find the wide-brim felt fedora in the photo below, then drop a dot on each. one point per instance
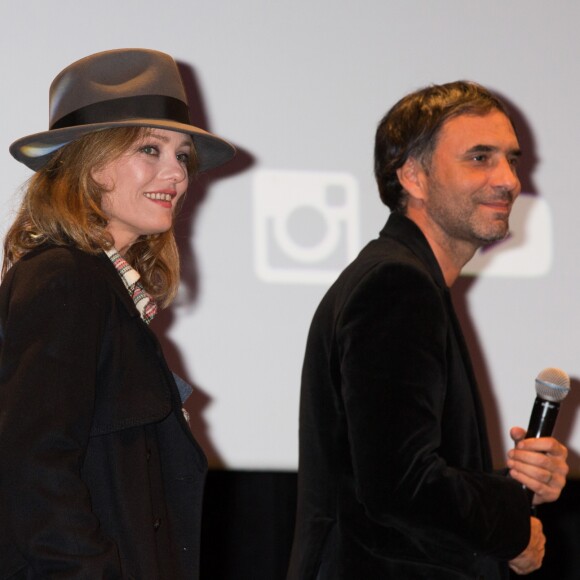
(130, 87)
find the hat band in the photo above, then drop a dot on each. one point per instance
(125, 109)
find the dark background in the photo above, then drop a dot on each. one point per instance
(248, 522)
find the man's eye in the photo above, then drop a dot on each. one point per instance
(480, 158)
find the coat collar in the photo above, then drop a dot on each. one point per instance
(406, 232)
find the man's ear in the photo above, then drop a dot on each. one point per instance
(412, 178)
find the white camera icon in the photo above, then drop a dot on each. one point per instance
(306, 225)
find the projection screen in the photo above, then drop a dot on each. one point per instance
(299, 88)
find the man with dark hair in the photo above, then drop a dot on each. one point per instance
(395, 477)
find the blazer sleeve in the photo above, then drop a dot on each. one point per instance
(392, 343)
(51, 327)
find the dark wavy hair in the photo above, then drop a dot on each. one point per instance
(412, 126)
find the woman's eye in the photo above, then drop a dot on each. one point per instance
(183, 157)
(149, 150)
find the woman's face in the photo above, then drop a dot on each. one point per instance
(144, 185)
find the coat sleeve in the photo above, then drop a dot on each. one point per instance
(393, 349)
(51, 324)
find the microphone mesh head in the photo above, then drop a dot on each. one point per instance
(552, 385)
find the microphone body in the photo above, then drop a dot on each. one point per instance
(543, 418)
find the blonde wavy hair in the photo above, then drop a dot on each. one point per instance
(61, 206)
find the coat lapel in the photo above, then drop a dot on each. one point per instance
(408, 233)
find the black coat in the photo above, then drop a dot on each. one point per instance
(100, 476)
(395, 476)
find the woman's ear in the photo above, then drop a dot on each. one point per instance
(412, 178)
(97, 175)
(104, 175)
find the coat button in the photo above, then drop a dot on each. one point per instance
(156, 524)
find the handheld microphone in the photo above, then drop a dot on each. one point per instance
(552, 386)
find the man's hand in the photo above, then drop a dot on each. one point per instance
(531, 558)
(539, 464)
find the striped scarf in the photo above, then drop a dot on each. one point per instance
(143, 301)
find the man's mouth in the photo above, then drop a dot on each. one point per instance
(498, 204)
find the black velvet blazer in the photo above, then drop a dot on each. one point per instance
(395, 477)
(100, 476)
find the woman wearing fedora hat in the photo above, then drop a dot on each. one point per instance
(100, 476)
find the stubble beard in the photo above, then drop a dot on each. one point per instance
(465, 223)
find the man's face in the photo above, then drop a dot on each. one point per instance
(471, 181)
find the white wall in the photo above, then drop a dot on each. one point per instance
(299, 87)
